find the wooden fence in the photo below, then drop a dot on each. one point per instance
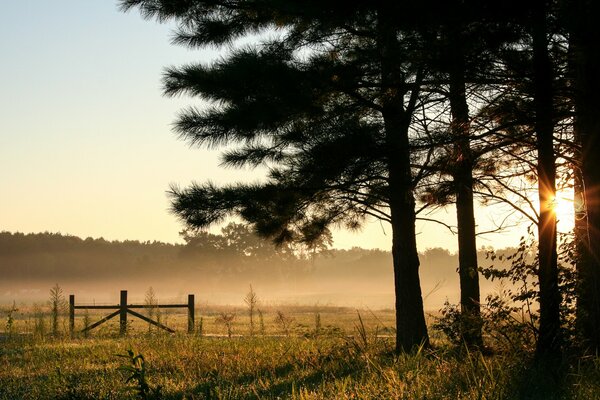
(123, 309)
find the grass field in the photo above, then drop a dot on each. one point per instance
(342, 357)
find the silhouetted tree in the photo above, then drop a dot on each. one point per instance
(464, 53)
(543, 77)
(581, 21)
(328, 105)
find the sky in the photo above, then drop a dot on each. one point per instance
(86, 146)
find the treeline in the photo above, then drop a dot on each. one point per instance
(212, 265)
(57, 257)
(237, 252)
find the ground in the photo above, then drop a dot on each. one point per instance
(342, 357)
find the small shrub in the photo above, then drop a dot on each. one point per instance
(449, 323)
(226, 319)
(506, 325)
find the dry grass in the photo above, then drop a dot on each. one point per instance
(345, 361)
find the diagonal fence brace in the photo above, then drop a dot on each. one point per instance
(103, 320)
(150, 321)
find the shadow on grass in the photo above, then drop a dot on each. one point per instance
(280, 381)
(520, 378)
(539, 379)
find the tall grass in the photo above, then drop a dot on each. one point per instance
(191, 367)
(352, 362)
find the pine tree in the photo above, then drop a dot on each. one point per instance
(328, 106)
(580, 20)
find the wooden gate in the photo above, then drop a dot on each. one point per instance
(123, 309)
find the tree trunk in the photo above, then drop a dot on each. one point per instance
(411, 330)
(585, 42)
(549, 329)
(471, 324)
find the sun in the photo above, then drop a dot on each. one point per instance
(562, 205)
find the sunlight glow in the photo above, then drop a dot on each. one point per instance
(562, 204)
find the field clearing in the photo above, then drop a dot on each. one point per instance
(302, 320)
(343, 359)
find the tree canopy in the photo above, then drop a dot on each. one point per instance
(358, 111)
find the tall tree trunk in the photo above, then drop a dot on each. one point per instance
(549, 330)
(585, 42)
(463, 180)
(411, 329)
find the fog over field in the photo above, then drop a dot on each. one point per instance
(218, 269)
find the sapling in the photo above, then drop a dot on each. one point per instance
(58, 305)
(251, 301)
(151, 301)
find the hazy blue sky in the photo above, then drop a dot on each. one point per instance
(85, 140)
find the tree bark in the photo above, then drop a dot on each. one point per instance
(411, 329)
(463, 180)
(585, 42)
(471, 324)
(549, 329)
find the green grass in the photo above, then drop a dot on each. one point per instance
(339, 364)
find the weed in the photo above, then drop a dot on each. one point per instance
(361, 342)
(86, 322)
(227, 320)
(39, 327)
(317, 323)
(284, 321)
(261, 322)
(135, 368)
(200, 327)
(10, 319)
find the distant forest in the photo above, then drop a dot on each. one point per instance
(219, 267)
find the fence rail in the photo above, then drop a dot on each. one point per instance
(123, 309)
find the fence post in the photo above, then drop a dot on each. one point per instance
(191, 313)
(71, 314)
(123, 313)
